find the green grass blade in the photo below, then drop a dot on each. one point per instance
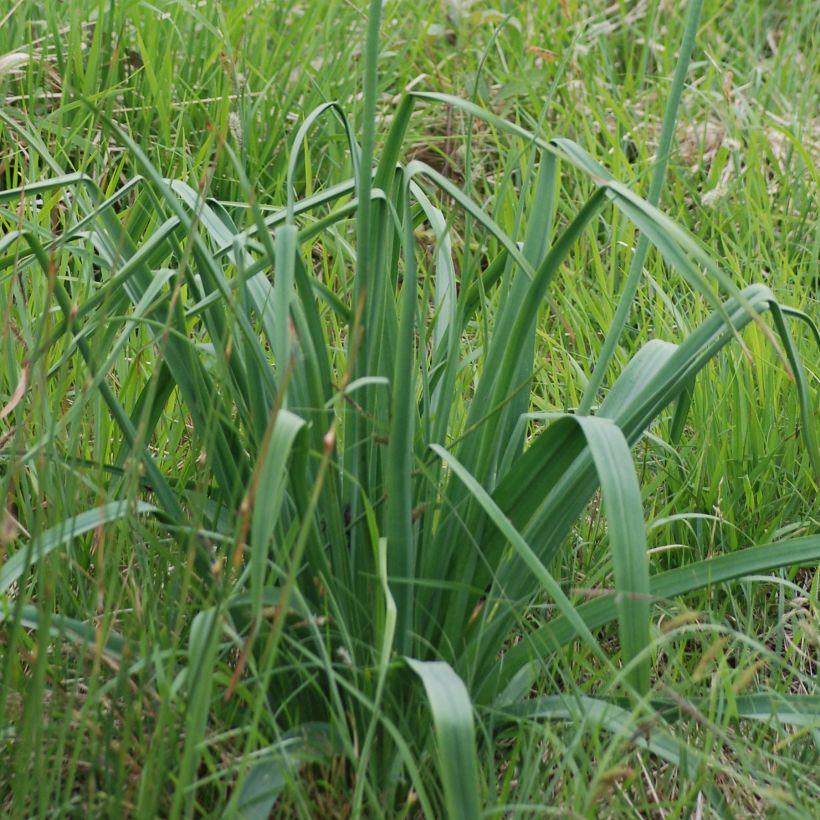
(513, 537)
(455, 737)
(615, 719)
(63, 533)
(763, 707)
(261, 788)
(636, 264)
(70, 629)
(386, 649)
(203, 646)
(666, 585)
(627, 537)
(285, 245)
(266, 495)
(807, 412)
(401, 557)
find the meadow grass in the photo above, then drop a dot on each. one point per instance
(306, 510)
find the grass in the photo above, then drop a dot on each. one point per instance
(305, 510)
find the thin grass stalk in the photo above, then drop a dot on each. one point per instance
(355, 451)
(633, 277)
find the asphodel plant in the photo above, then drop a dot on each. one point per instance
(374, 511)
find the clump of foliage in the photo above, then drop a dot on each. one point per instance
(369, 514)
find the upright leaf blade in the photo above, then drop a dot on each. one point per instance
(268, 494)
(627, 538)
(455, 736)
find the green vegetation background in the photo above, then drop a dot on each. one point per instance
(213, 94)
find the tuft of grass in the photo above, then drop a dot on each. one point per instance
(306, 510)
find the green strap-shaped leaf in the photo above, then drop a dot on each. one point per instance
(493, 391)
(418, 168)
(70, 629)
(269, 493)
(63, 533)
(401, 558)
(455, 733)
(614, 718)
(521, 547)
(596, 613)
(789, 710)
(627, 538)
(297, 146)
(203, 646)
(388, 634)
(622, 501)
(285, 248)
(260, 790)
(548, 486)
